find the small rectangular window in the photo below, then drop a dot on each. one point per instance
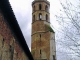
(53, 57)
(3, 42)
(40, 51)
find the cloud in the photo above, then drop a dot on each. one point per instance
(23, 12)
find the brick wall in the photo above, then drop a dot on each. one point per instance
(9, 46)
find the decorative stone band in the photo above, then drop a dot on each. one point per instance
(41, 1)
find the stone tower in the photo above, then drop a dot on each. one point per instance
(43, 36)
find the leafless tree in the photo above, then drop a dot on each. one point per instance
(69, 32)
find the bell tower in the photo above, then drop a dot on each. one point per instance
(43, 37)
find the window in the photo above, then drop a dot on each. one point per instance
(10, 47)
(33, 18)
(40, 7)
(40, 35)
(46, 8)
(46, 17)
(53, 57)
(3, 42)
(34, 8)
(40, 51)
(40, 16)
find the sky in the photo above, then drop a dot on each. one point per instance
(23, 12)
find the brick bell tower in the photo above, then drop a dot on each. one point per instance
(43, 37)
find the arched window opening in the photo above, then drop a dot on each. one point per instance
(40, 7)
(46, 17)
(46, 8)
(40, 16)
(33, 18)
(34, 8)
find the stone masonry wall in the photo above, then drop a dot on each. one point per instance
(38, 26)
(9, 47)
(43, 45)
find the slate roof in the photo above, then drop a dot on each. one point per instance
(11, 20)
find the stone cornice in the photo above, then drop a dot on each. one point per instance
(40, 20)
(40, 32)
(41, 10)
(40, 1)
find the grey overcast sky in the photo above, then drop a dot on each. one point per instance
(23, 13)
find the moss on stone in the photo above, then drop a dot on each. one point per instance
(49, 28)
(33, 52)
